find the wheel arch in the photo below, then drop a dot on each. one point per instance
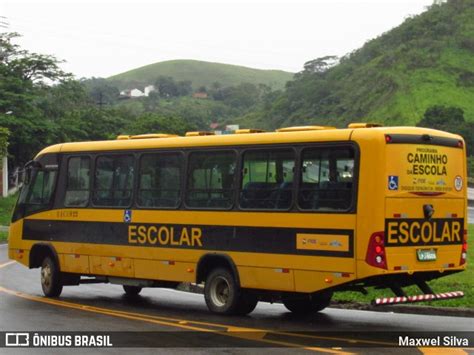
(41, 250)
(210, 261)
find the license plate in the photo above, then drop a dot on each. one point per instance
(426, 254)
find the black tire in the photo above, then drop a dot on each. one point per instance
(132, 290)
(221, 292)
(51, 277)
(309, 305)
(247, 304)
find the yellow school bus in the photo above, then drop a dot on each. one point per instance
(288, 216)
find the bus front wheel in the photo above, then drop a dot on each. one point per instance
(50, 278)
(309, 305)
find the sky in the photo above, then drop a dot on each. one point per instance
(105, 37)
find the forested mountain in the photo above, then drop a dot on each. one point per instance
(420, 73)
(393, 79)
(200, 73)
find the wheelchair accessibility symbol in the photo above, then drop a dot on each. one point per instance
(393, 182)
(127, 216)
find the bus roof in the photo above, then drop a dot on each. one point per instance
(290, 135)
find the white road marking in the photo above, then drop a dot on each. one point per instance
(182, 292)
(7, 263)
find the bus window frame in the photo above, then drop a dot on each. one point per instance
(64, 178)
(132, 202)
(269, 147)
(352, 209)
(239, 150)
(188, 152)
(182, 175)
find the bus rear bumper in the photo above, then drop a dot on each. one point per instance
(417, 298)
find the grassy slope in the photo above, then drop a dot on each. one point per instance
(202, 73)
(434, 80)
(457, 282)
(423, 88)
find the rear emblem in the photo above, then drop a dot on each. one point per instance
(458, 183)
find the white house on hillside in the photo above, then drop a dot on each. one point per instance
(136, 93)
(132, 93)
(149, 89)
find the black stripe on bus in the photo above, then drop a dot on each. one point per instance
(214, 237)
(423, 139)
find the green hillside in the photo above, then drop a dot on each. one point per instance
(428, 60)
(201, 74)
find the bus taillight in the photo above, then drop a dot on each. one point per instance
(464, 248)
(376, 251)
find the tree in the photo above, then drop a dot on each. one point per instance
(166, 87)
(4, 134)
(101, 91)
(24, 78)
(439, 116)
(451, 119)
(320, 65)
(202, 88)
(158, 123)
(184, 88)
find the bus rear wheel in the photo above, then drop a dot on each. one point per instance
(247, 304)
(132, 290)
(50, 278)
(312, 304)
(221, 292)
(224, 296)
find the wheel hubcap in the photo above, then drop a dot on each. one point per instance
(220, 291)
(46, 276)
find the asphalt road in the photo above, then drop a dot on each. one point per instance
(184, 319)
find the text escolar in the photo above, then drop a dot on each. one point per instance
(164, 235)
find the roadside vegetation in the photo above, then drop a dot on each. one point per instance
(3, 236)
(457, 282)
(6, 208)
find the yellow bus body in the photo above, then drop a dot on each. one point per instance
(145, 256)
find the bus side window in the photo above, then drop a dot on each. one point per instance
(78, 182)
(211, 179)
(326, 179)
(113, 183)
(160, 180)
(267, 181)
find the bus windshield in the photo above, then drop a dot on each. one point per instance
(36, 193)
